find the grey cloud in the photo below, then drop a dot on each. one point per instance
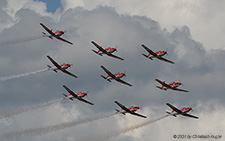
(199, 70)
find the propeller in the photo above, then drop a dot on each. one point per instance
(116, 48)
(139, 106)
(125, 73)
(192, 108)
(87, 93)
(166, 51)
(65, 31)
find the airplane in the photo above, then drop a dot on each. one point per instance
(107, 51)
(114, 76)
(78, 96)
(130, 110)
(182, 111)
(157, 55)
(172, 86)
(56, 34)
(62, 67)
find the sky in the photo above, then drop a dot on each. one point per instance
(52, 5)
(31, 101)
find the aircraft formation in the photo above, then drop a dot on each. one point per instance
(117, 76)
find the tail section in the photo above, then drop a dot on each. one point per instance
(161, 88)
(65, 96)
(50, 68)
(145, 55)
(45, 35)
(117, 111)
(103, 77)
(171, 114)
(95, 51)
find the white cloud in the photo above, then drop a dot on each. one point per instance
(198, 69)
(204, 17)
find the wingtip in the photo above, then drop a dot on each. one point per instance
(168, 104)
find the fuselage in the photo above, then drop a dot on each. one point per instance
(132, 109)
(63, 67)
(159, 53)
(80, 95)
(117, 75)
(173, 84)
(108, 50)
(59, 33)
(183, 110)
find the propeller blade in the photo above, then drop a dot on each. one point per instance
(116, 48)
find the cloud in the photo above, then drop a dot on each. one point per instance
(204, 17)
(199, 70)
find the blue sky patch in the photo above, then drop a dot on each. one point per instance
(52, 5)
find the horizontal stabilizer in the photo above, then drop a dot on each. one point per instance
(145, 55)
(95, 51)
(65, 95)
(103, 77)
(49, 66)
(171, 114)
(117, 111)
(159, 87)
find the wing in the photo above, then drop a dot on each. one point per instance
(49, 31)
(108, 72)
(188, 115)
(123, 107)
(69, 73)
(70, 91)
(149, 50)
(174, 108)
(136, 114)
(164, 84)
(121, 81)
(110, 54)
(176, 89)
(63, 39)
(54, 62)
(163, 59)
(81, 99)
(99, 47)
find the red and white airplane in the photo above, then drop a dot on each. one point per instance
(78, 96)
(62, 67)
(130, 110)
(157, 55)
(172, 86)
(114, 76)
(107, 51)
(56, 34)
(182, 111)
